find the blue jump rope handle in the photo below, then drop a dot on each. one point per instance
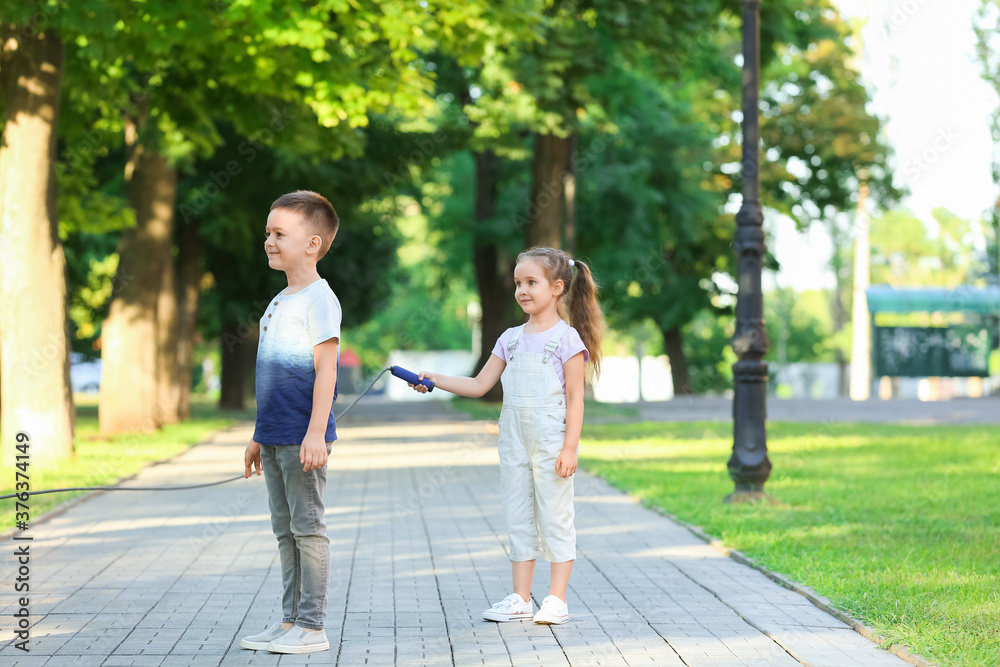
(410, 377)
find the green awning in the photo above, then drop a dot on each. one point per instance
(887, 299)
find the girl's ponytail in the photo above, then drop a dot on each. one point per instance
(585, 314)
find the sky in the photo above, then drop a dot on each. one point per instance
(920, 64)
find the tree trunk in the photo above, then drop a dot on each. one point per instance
(843, 377)
(234, 367)
(673, 343)
(548, 165)
(34, 379)
(494, 269)
(189, 274)
(131, 341)
(168, 392)
(569, 196)
(839, 322)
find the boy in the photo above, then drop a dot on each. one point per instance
(295, 430)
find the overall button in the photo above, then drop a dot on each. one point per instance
(269, 314)
(265, 328)
(559, 401)
(276, 303)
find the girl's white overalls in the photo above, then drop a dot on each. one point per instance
(538, 503)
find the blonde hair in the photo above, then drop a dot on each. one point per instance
(584, 311)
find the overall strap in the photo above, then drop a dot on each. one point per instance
(512, 345)
(553, 342)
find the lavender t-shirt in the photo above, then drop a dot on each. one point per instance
(569, 345)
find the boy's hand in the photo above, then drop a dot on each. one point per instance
(421, 388)
(566, 463)
(312, 453)
(251, 457)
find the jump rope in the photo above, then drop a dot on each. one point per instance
(398, 371)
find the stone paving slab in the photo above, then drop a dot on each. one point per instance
(418, 551)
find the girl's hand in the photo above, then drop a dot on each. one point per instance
(423, 375)
(566, 463)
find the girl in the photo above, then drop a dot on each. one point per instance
(541, 366)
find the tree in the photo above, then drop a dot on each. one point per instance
(987, 28)
(658, 263)
(544, 85)
(820, 142)
(246, 57)
(906, 252)
(558, 88)
(34, 375)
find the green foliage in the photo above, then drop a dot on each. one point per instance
(379, 105)
(656, 265)
(253, 99)
(799, 325)
(413, 319)
(232, 214)
(906, 252)
(709, 354)
(897, 525)
(987, 28)
(545, 85)
(428, 306)
(816, 127)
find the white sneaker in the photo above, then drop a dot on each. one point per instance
(260, 641)
(511, 608)
(299, 640)
(553, 611)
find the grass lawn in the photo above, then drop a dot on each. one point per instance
(101, 462)
(898, 526)
(593, 411)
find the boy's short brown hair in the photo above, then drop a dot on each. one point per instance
(317, 213)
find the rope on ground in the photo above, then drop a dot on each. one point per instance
(23, 495)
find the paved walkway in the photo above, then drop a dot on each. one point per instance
(152, 578)
(898, 411)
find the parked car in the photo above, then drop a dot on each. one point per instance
(84, 373)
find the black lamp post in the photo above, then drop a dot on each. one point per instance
(749, 465)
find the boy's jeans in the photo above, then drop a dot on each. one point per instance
(296, 501)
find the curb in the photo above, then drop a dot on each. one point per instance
(818, 600)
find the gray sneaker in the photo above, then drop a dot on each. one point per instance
(260, 641)
(299, 640)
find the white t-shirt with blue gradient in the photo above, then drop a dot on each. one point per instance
(289, 329)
